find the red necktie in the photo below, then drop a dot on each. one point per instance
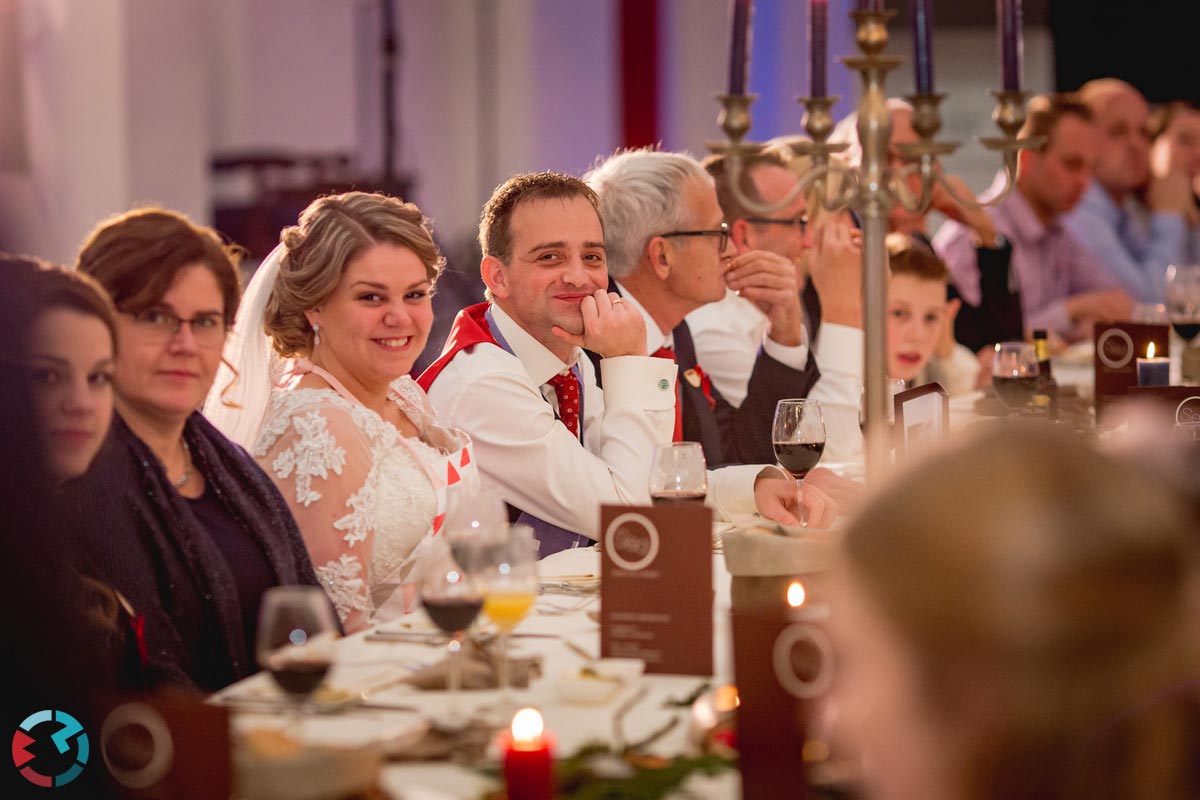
(566, 389)
(668, 352)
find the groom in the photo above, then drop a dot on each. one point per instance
(513, 375)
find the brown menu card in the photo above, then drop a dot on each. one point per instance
(656, 587)
(783, 665)
(1118, 347)
(1179, 404)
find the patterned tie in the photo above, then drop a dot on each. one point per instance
(566, 389)
(669, 352)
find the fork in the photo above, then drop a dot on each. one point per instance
(554, 610)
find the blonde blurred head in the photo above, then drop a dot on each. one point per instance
(1041, 594)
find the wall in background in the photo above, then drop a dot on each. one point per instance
(126, 101)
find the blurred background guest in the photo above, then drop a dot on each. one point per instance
(1046, 649)
(1131, 221)
(1175, 147)
(172, 514)
(72, 354)
(988, 316)
(61, 654)
(729, 332)
(350, 440)
(1063, 287)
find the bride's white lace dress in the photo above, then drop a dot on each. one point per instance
(365, 497)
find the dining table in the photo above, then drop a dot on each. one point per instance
(561, 629)
(376, 710)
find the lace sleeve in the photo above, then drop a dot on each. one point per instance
(322, 462)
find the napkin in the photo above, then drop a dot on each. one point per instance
(427, 742)
(480, 669)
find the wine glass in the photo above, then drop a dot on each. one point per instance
(678, 474)
(1015, 374)
(510, 581)
(452, 596)
(798, 435)
(295, 640)
(1183, 300)
(894, 387)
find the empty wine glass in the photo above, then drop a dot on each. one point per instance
(1014, 374)
(798, 434)
(296, 640)
(510, 580)
(894, 387)
(452, 595)
(678, 474)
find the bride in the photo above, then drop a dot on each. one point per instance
(319, 393)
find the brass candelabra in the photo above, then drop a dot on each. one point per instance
(873, 186)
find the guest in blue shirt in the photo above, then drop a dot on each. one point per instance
(1175, 130)
(1135, 240)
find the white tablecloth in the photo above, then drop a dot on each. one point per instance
(362, 663)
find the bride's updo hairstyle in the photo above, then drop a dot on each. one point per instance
(333, 231)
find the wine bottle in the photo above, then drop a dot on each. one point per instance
(1045, 396)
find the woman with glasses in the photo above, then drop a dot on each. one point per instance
(176, 516)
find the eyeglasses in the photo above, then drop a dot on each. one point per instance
(800, 222)
(160, 326)
(722, 232)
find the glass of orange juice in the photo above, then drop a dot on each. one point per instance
(510, 587)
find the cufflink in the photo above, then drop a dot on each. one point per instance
(664, 384)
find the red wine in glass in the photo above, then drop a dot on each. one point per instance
(1187, 330)
(299, 677)
(452, 614)
(671, 498)
(799, 458)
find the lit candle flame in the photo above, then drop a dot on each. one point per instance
(527, 725)
(795, 594)
(1150, 350)
(726, 698)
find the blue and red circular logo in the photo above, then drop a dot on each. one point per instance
(50, 748)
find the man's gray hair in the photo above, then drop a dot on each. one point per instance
(641, 196)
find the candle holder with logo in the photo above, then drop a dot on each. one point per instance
(874, 186)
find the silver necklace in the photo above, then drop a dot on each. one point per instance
(187, 466)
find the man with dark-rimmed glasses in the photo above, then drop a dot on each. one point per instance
(669, 253)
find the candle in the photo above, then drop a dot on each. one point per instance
(1008, 22)
(818, 38)
(739, 48)
(922, 23)
(795, 594)
(527, 758)
(1153, 371)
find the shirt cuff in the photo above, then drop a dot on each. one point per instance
(1167, 225)
(638, 382)
(731, 491)
(840, 349)
(795, 357)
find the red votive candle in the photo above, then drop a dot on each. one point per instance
(528, 760)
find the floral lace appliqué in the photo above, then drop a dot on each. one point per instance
(314, 453)
(342, 582)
